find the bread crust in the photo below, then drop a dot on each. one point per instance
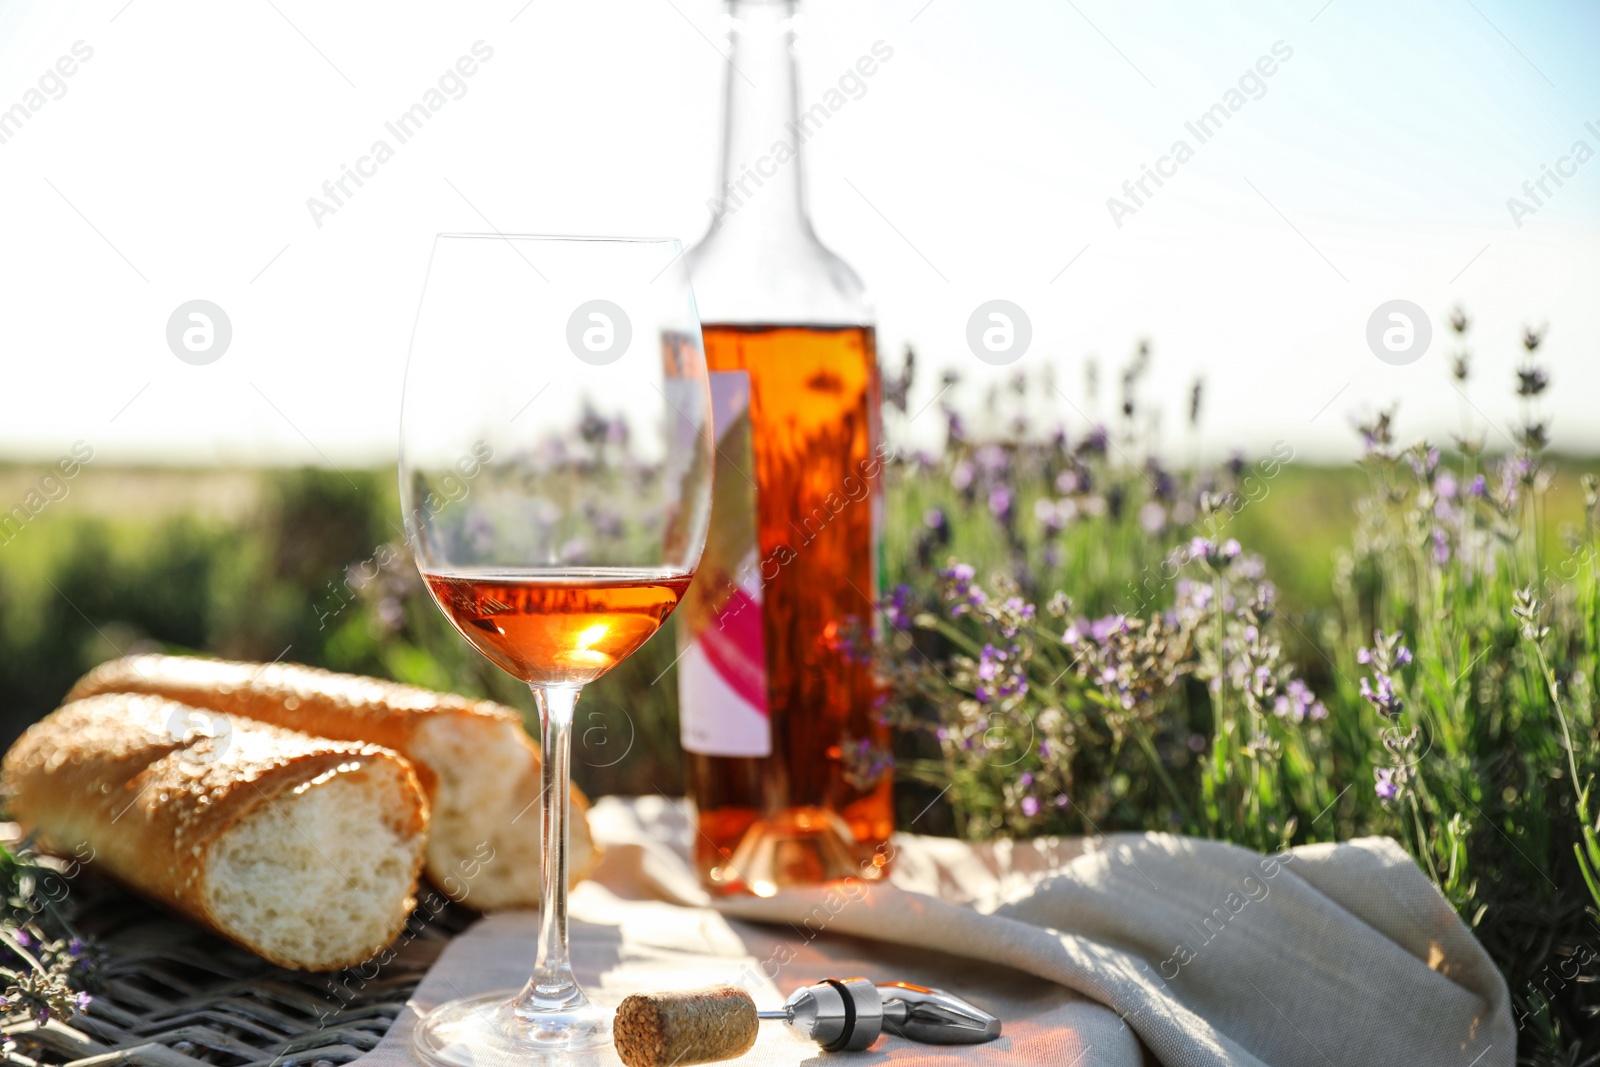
(351, 707)
(137, 780)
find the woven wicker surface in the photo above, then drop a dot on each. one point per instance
(175, 996)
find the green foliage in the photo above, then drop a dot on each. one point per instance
(1105, 659)
(1171, 704)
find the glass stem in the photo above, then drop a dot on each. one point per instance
(552, 987)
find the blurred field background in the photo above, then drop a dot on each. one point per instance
(310, 566)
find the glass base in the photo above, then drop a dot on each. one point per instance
(488, 1031)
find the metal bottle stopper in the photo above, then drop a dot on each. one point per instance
(848, 1015)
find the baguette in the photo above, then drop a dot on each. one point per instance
(475, 761)
(304, 851)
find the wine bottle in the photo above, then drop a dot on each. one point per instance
(787, 759)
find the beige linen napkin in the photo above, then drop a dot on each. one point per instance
(1090, 951)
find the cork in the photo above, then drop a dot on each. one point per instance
(685, 1026)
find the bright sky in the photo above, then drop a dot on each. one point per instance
(175, 163)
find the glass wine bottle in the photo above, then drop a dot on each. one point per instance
(787, 761)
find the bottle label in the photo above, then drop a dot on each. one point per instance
(722, 666)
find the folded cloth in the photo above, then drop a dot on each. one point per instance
(1091, 951)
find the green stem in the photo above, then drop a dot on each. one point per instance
(1424, 848)
(1161, 773)
(10, 941)
(959, 639)
(1561, 715)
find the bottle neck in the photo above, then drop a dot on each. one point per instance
(761, 261)
(761, 187)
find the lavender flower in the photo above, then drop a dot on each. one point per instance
(988, 665)
(1441, 546)
(1044, 510)
(1163, 485)
(1297, 703)
(1377, 433)
(42, 996)
(1382, 695)
(1193, 601)
(992, 459)
(1210, 552)
(900, 608)
(1525, 609)
(999, 675)
(1014, 614)
(1423, 460)
(961, 592)
(1385, 656)
(955, 429)
(1533, 435)
(864, 764)
(1000, 504)
(1531, 381)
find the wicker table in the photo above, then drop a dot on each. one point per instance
(175, 996)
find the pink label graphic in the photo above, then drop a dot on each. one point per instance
(734, 647)
(722, 674)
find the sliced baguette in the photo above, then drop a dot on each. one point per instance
(303, 850)
(476, 762)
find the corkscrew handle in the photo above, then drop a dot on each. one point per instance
(934, 1017)
(849, 1014)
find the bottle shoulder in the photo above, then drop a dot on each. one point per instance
(774, 277)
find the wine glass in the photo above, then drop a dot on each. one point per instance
(555, 474)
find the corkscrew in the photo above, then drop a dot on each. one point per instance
(841, 1015)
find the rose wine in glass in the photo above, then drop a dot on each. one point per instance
(556, 461)
(558, 628)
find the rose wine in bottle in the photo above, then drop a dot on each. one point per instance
(787, 761)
